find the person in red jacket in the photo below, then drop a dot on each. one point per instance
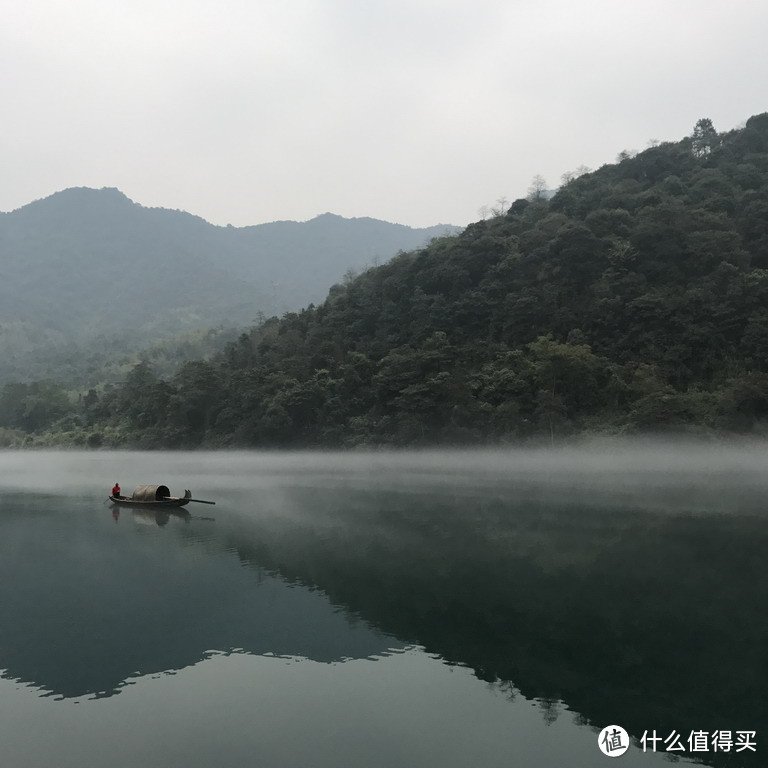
(116, 491)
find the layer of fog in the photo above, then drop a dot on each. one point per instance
(676, 475)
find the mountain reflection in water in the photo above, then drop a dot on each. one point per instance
(85, 610)
(648, 619)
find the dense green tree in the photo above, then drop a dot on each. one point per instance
(32, 407)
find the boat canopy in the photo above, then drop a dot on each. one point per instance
(150, 493)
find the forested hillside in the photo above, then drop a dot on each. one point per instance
(88, 277)
(636, 298)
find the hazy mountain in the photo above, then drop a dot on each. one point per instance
(634, 299)
(90, 268)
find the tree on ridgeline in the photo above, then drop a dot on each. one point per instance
(538, 188)
(704, 137)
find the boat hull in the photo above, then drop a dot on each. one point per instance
(168, 502)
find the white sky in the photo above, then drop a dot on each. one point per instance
(412, 111)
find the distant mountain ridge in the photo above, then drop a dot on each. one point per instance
(86, 264)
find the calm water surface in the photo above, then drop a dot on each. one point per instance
(423, 609)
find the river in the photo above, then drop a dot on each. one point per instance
(490, 608)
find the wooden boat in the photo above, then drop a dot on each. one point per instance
(152, 496)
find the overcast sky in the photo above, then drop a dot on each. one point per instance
(413, 111)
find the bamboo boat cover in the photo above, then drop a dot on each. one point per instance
(150, 493)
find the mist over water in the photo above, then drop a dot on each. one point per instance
(653, 474)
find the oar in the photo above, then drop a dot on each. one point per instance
(201, 501)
